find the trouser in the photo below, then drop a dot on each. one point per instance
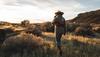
(58, 42)
(58, 39)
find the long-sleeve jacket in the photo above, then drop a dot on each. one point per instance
(59, 23)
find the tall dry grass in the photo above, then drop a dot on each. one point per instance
(20, 43)
(72, 46)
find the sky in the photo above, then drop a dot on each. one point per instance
(16, 11)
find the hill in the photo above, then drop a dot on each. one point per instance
(88, 17)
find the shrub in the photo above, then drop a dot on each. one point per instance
(25, 23)
(84, 31)
(71, 27)
(4, 33)
(96, 29)
(34, 30)
(19, 43)
(47, 27)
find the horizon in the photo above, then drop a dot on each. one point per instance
(38, 11)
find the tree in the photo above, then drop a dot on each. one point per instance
(25, 23)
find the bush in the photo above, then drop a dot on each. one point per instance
(96, 29)
(47, 27)
(19, 43)
(34, 29)
(84, 31)
(4, 33)
(25, 23)
(71, 27)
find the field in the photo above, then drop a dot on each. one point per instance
(25, 44)
(78, 46)
(72, 46)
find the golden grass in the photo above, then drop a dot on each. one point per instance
(94, 41)
(50, 50)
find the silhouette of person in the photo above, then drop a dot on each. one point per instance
(59, 28)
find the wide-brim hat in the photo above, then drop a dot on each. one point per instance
(59, 12)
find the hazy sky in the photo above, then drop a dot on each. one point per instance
(43, 10)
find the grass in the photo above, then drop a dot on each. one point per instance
(72, 46)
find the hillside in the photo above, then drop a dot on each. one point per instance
(88, 17)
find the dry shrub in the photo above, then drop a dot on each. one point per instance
(25, 23)
(22, 42)
(5, 33)
(84, 31)
(24, 39)
(2, 35)
(47, 27)
(96, 29)
(34, 30)
(49, 44)
(71, 27)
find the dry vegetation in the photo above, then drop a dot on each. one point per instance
(33, 46)
(38, 40)
(26, 44)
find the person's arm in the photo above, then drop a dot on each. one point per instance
(55, 21)
(64, 27)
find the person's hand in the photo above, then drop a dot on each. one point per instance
(64, 33)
